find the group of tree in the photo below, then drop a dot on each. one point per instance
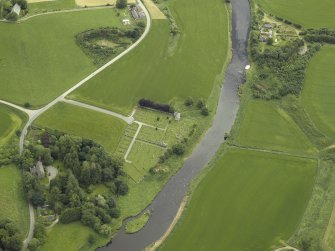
(121, 4)
(86, 163)
(147, 103)
(6, 7)
(120, 37)
(323, 35)
(10, 238)
(201, 104)
(280, 68)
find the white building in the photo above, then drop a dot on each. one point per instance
(177, 116)
(16, 9)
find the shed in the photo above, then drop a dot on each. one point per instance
(268, 26)
(16, 9)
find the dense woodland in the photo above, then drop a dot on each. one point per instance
(70, 194)
(6, 7)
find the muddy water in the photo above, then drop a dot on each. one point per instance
(167, 202)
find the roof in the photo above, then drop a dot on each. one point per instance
(267, 25)
(16, 9)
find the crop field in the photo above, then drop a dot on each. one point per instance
(265, 125)
(155, 71)
(13, 204)
(304, 12)
(10, 122)
(99, 2)
(238, 198)
(104, 129)
(36, 66)
(40, 6)
(319, 91)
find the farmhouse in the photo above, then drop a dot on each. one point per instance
(16, 9)
(137, 12)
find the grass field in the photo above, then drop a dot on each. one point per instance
(319, 91)
(247, 201)
(137, 224)
(150, 71)
(104, 129)
(43, 6)
(36, 66)
(76, 237)
(10, 122)
(265, 125)
(305, 12)
(13, 204)
(99, 2)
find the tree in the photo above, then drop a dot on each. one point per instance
(121, 187)
(201, 103)
(189, 101)
(70, 215)
(178, 149)
(9, 236)
(205, 111)
(121, 4)
(33, 244)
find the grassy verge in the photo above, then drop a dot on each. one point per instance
(137, 224)
(13, 204)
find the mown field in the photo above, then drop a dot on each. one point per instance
(39, 57)
(13, 204)
(308, 13)
(266, 125)
(76, 237)
(247, 201)
(42, 6)
(104, 129)
(319, 91)
(10, 122)
(161, 73)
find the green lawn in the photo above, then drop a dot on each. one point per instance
(152, 71)
(104, 129)
(70, 237)
(247, 201)
(39, 57)
(10, 121)
(12, 202)
(137, 224)
(265, 125)
(319, 90)
(308, 13)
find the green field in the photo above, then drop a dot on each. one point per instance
(10, 122)
(13, 204)
(39, 57)
(51, 6)
(308, 13)
(265, 125)
(137, 224)
(76, 237)
(104, 129)
(247, 201)
(154, 72)
(319, 91)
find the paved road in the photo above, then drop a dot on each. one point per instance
(129, 120)
(168, 201)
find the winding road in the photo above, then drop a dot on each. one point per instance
(166, 204)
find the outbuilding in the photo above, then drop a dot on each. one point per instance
(16, 9)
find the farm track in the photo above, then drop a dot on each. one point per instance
(34, 114)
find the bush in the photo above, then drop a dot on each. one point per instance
(26, 105)
(205, 111)
(201, 103)
(178, 149)
(12, 16)
(189, 101)
(121, 187)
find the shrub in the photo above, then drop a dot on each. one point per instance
(178, 149)
(205, 111)
(189, 101)
(26, 105)
(201, 103)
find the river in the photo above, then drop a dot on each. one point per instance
(166, 204)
